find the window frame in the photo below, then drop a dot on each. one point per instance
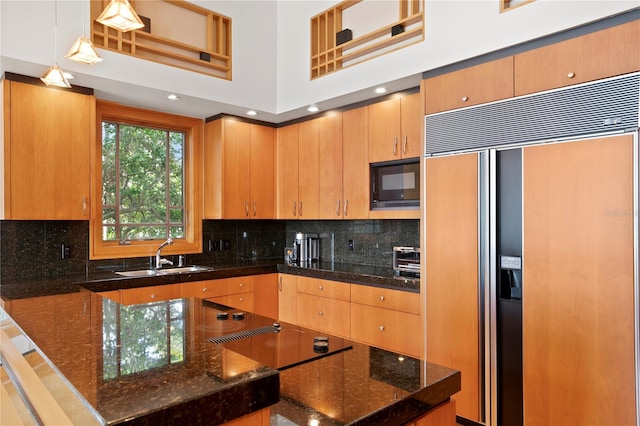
(193, 129)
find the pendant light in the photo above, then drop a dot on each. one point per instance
(83, 50)
(54, 76)
(119, 14)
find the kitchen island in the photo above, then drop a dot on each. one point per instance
(155, 363)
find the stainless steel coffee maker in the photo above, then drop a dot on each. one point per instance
(307, 248)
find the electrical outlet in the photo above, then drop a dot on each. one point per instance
(226, 244)
(65, 252)
(350, 245)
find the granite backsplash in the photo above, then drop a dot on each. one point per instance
(34, 248)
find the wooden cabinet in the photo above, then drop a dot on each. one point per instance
(444, 414)
(251, 293)
(324, 305)
(287, 172)
(490, 81)
(134, 296)
(388, 319)
(578, 281)
(452, 306)
(355, 164)
(396, 128)
(287, 296)
(204, 289)
(265, 292)
(605, 53)
(48, 138)
(330, 167)
(239, 170)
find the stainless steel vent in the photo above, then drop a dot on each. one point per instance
(276, 327)
(603, 106)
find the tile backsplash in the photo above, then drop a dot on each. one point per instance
(35, 248)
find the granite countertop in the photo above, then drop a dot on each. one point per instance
(154, 364)
(106, 280)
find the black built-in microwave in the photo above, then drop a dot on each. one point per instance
(395, 184)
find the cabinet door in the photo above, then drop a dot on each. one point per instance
(412, 122)
(452, 293)
(212, 170)
(325, 288)
(287, 172)
(287, 295)
(578, 283)
(355, 164)
(308, 169)
(265, 292)
(262, 172)
(384, 131)
(475, 85)
(330, 167)
(236, 166)
(609, 52)
(324, 314)
(47, 154)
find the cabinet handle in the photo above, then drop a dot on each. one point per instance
(465, 99)
(320, 287)
(382, 298)
(254, 208)
(241, 284)
(571, 74)
(404, 145)
(84, 206)
(295, 204)
(204, 290)
(300, 209)
(246, 208)
(338, 208)
(381, 328)
(346, 205)
(320, 313)
(395, 145)
(153, 296)
(280, 284)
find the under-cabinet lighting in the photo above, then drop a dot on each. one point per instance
(313, 108)
(119, 14)
(380, 90)
(252, 112)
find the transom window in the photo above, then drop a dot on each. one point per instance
(145, 183)
(142, 182)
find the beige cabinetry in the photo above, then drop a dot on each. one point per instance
(48, 135)
(388, 319)
(578, 309)
(396, 128)
(605, 53)
(452, 294)
(490, 81)
(239, 170)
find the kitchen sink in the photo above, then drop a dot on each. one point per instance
(164, 271)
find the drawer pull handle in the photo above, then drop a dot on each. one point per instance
(320, 313)
(153, 296)
(465, 99)
(381, 328)
(571, 74)
(382, 298)
(241, 299)
(320, 287)
(204, 290)
(241, 284)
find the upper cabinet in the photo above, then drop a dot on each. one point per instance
(47, 151)
(287, 172)
(396, 128)
(355, 164)
(490, 81)
(609, 52)
(239, 170)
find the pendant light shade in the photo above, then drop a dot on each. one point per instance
(55, 77)
(119, 14)
(83, 51)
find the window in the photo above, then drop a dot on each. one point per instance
(146, 178)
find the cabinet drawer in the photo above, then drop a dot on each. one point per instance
(396, 300)
(150, 294)
(475, 85)
(393, 330)
(321, 313)
(242, 301)
(324, 288)
(606, 53)
(204, 289)
(240, 285)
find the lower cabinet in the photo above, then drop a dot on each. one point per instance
(324, 314)
(258, 418)
(134, 296)
(442, 415)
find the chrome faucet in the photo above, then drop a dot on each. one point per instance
(160, 261)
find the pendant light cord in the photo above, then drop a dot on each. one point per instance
(55, 33)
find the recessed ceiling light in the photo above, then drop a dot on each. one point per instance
(380, 90)
(173, 97)
(313, 108)
(251, 112)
